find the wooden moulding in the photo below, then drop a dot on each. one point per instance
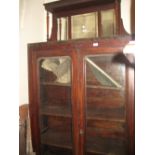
(67, 46)
(60, 6)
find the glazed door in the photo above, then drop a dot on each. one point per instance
(107, 131)
(55, 105)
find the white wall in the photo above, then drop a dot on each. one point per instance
(33, 29)
(125, 14)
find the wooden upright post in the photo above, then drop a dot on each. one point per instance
(118, 16)
(47, 25)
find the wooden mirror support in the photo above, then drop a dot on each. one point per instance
(68, 8)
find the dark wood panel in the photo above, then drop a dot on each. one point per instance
(56, 102)
(57, 92)
(105, 133)
(60, 124)
(105, 102)
(52, 150)
(101, 99)
(56, 110)
(104, 92)
(110, 125)
(57, 139)
(106, 146)
(106, 113)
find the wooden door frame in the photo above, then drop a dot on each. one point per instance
(110, 46)
(36, 51)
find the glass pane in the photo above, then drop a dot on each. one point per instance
(105, 102)
(62, 33)
(55, 105)
(108, 22)
(84, 26)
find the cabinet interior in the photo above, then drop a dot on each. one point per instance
(105, 105)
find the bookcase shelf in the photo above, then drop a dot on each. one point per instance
(87, 115)
(57, 139)
(56, 111)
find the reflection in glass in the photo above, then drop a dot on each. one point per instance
(59, 67)
(62, 32)
(55, 105)
(101, 75)
(108, 20)
(84, 26)
(105, 106)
